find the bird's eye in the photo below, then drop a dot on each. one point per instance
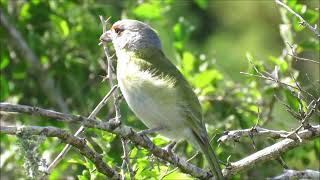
(118, 30)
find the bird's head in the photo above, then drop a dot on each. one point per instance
(131, 35)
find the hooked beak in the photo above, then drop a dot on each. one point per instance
(106, 37)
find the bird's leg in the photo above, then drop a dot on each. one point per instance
(150, 131)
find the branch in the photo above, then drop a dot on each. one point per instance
(46, 83)
(126, 132)
(116, 128)
(271, 152)
(292, 174)
(235, 135)
(79, 144)
(302, 21)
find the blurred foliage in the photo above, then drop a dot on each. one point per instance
(210, 41)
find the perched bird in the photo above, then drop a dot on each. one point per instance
(154, 88)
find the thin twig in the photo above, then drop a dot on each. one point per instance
(109, 70)
(304, 59)
(276, 81)
(81, 129)
(302, 21)
(126, 159)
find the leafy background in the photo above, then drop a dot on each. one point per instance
(211, 43)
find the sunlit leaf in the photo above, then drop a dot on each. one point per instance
(64, 27)
(187, 62)
(280, 62)
(148, 10)
(24, 12)
(4, 62)
(206, 78)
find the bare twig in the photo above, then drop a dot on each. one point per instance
(81, 129)
(302, 21)
(79, 144)
(293, 174)
(109, 70)
(235, 135)
(126, 159)
(304, 59)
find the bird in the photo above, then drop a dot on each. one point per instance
(155, 90)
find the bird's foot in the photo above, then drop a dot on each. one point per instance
(170, 148)
(150, 131)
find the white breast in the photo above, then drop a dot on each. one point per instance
(154, 100)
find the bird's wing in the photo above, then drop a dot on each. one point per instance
(154, 60)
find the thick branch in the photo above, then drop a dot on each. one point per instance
(46, 82)
(116, 128)
(292, 174)
(271, 152)
(79, 144)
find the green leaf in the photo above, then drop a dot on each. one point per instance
(206, 78)
(187, 62)
(148, 10)
(60, 24)
(311, 16)
(177, 175)
(291, 100)
(177, 30)
(280, 62)
(203, 4)
(36, 1)
(291, 3)
(159, 140)
(310, 44)
(4, 88)
(19, 75)
(4, 62)
(64, 27)
(24, 12)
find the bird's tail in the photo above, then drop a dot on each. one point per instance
(211, 158)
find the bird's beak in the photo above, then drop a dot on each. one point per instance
(106, 37)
